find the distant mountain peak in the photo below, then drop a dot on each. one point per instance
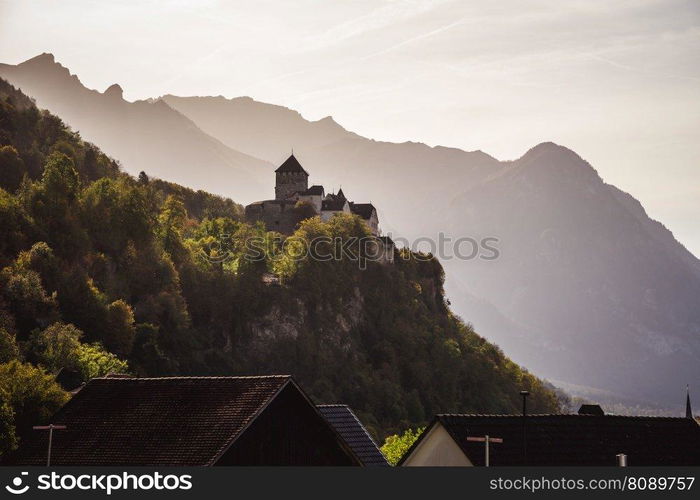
(548, 147)
(330, 122)
(44, 66)
(556, 159)
(114, 91)
(43, 58)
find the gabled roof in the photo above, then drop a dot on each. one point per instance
(313, 190)
(333, 203)
(344, 421)
(364, 210)
(568, 440)
(153, 421)
(291, 164)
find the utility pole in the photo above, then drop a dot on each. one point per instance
(486, 440)
(49, 428)
(524, 395)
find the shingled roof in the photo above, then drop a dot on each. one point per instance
(568, 440)
(333, 203)
(153, 421)
(291, 164)
(344, 421)
(314, 190)
(364, 210)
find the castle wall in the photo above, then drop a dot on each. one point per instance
(277, 215)
(312, 199)
(288, 183)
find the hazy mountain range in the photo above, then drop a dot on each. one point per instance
(587, 289)
(143, 135)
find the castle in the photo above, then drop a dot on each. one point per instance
(295, 201)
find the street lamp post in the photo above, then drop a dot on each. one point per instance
(487, 440)
(49, 428)
(524, 395)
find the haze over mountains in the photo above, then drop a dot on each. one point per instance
(143, 135)
(600, 293)
(587, 289)
(366, 169)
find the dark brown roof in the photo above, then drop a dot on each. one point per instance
(364, 210)
(591, 410)
(314, 190)
(567, 440)
(344, 421)
(291, 164)
(152, 421)
(332, 202)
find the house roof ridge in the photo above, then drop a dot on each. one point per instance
(195, 377)
(567, 415)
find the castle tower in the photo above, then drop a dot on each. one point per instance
(290, 178)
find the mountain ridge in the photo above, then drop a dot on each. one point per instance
(90, 254)
(133, 131)
(633, 294)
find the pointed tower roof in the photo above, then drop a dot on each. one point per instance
(341, 195)
(291, 164)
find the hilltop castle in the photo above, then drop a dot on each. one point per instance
(295, 201)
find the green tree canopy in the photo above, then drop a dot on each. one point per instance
(12, 168)
(54, 347)
(31, 393)
(396, 445)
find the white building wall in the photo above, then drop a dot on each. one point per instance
(437, 449)
(314, 200)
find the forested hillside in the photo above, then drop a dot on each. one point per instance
(102, 272)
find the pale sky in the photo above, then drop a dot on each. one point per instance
(618, 82)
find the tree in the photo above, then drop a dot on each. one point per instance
(396, 446)
(8, 436)
(82, 303)
(119, 328)
(55, 347)
(59, 346)
(8, 346)
(303, 210)
(53, 205)
(60, 180)
(40, 258)
(15, 227)
(32, 394)
(115, 211)
(172, 220)
(90, 163)
(11, 168)
(93, 361)
(26, 299)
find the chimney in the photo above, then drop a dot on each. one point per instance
(621, 460)
(594, 410)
